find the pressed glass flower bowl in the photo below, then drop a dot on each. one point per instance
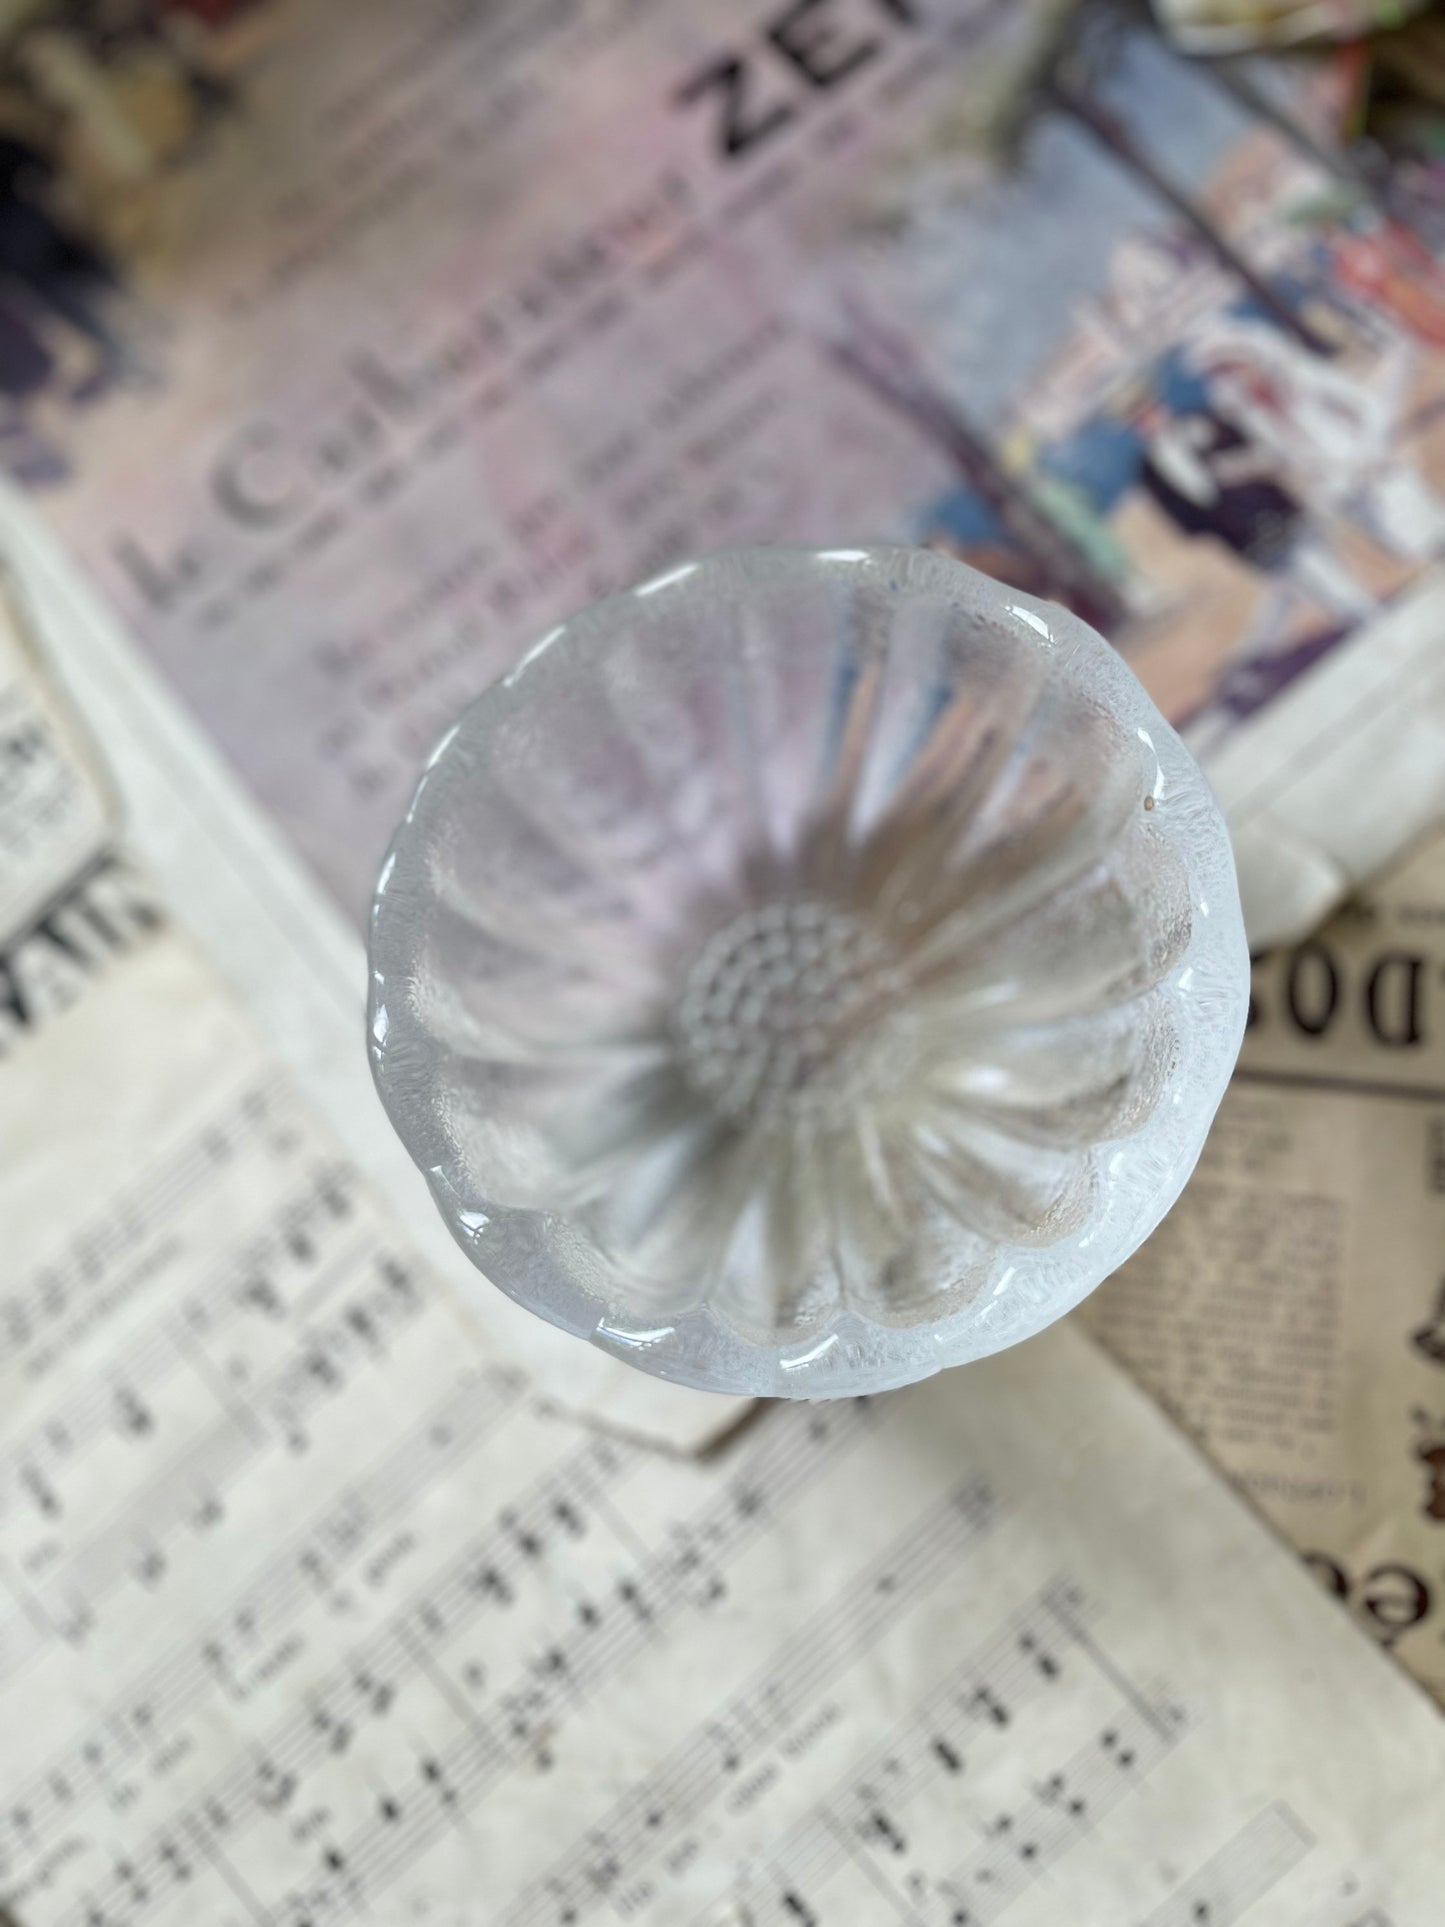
(808, 970)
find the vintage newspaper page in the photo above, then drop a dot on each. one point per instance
(349, 346)
(1291, 1311)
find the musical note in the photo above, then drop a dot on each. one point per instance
(1055, 1792)
(360, 1321)
(74, 1621)
(1118, 1750)
(711, 1760)
(336, 1734)
(177, 1864)
(137, 1891)
(276, 1789)
(435, 1776)
(261, 1293)
(318, 1365)
(133, 1416)
(985, 1702)
(493, 1584)
(334, 1191)
(397, 1277)
(633, 1598)
(882, 1827)
(41, 1491)
(571, 1520)
(378, 1696)
(1042, 1658)
(209, 1513)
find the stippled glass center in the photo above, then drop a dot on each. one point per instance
(781, 1012)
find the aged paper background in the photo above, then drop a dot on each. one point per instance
(380, 350)
(1290, 1313)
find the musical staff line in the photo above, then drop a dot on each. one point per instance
(79, 1770)
(1020, 1846)
(1244, 1870)
(981, 1698)
(131, 1542)
(1151, 1714)
(692, 1776)
(152, 1357)
(488, 1574)
(25, 1313)
(794, 1447)
(863, 1819)
(268, 1777)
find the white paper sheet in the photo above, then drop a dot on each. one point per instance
(1343, 773)
(996, 1648)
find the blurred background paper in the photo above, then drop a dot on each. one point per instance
(347, 349)
(1291, 1312)
(1231, 26)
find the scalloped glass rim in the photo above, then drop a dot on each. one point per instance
(547, 1264)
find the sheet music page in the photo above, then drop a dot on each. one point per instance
(1290, 1312)
(389, 336)
(997, 1648)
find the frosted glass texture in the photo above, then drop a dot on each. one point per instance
(808, 970)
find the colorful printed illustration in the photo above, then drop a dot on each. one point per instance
(1187, 351)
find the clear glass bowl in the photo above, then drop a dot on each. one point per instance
(808, 970)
